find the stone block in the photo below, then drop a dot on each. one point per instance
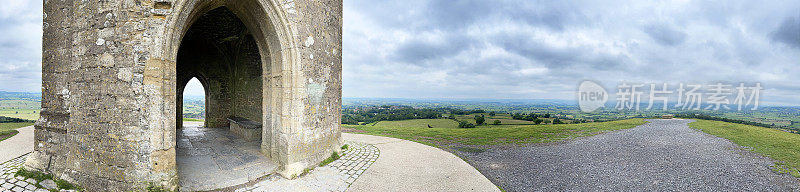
(246, 129)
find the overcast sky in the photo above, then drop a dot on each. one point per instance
(521, 49)
(543, 49)
(21, 45)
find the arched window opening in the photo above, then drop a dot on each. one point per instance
(194, 104)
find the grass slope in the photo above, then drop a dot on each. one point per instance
(420, 123)
(485, 135)
(11, 126)
(778, 145)
(192, 119)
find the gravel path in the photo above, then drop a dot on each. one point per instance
(663, 155)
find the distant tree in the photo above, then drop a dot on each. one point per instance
(557, 121)
(531, 117)
(491, 114)
(464, 124)
(479, 120)
(496, 122)
(452, 116)
(537, 121)
(517, 116)
(547, 115)
(349, 120)
(477, 111)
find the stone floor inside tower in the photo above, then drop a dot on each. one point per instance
(214, 158)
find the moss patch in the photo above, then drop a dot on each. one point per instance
(39, 177)
(156, 188)
(334, 156)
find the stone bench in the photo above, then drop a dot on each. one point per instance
(246, 129)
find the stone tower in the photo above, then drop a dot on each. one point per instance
(113, 74)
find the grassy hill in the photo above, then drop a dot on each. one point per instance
(489, 135)
(419, 123)
(776, 144)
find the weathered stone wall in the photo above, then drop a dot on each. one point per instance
(109, 90)
(247, 80)
(319, 28)
(92, 130)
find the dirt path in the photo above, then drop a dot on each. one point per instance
(663, 155)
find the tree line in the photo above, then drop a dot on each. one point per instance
(369, 115)
(4, 119)
(715, 118)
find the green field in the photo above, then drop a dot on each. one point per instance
(23, 109)
(776, 144)
(194, 109)
(420, 123)
(493, 135)
(192, 119)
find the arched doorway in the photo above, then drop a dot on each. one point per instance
(191, 108)
(301, 93)
(222, 53)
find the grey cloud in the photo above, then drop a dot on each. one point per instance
(558, 57)
(788, 32)
(665, 34)
(554, 15)
(418, 50)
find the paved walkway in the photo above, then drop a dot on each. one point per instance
(213, 158)
(410, 166)
(664, 155)
(336, 176)
(18, 145)
(371, 163)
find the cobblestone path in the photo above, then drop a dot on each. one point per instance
(336, 176)
(8, 182)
